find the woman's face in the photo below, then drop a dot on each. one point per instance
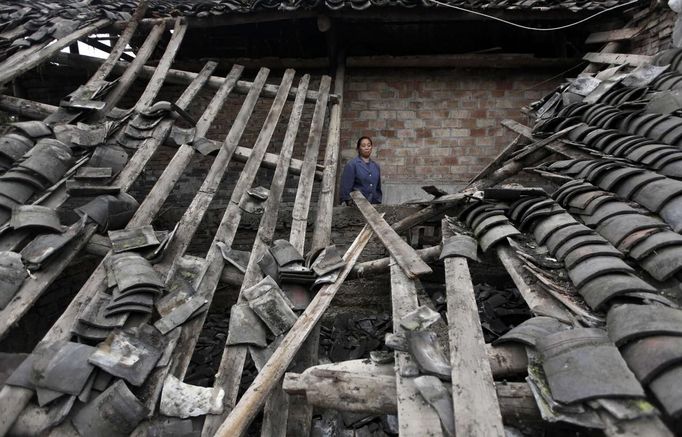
(365, 149)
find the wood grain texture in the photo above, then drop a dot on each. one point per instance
(415, 416)
(476, 408)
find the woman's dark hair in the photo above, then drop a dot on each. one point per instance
(357, 146)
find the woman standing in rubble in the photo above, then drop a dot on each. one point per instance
(362, 174)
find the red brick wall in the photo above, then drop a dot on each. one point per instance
(436, 125)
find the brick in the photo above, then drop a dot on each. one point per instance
(386, 115)
(405, 115)
(406, 133)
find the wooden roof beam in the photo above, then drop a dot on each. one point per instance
(182, 77)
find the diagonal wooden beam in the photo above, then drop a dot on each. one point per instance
(128, 77)
(404, 255)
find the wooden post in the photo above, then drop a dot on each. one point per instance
(325, 206)
(476, 408)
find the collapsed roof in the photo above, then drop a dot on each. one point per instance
(597, 261)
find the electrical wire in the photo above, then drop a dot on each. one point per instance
(539, 29)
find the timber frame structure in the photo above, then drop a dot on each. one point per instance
(479, 403)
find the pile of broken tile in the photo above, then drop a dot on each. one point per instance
(579, 367)
(38, 157)
(40, 22)
(606, 246)
(269, 308)
(125, 336)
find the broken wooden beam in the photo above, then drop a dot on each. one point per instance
(476, 408)
(476, 60)
(26, 108)
(130, 74)
(404, 255)
(381, 266)
(374, 392)
(254, 397)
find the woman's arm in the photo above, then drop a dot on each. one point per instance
(347, 181)
(380, 194)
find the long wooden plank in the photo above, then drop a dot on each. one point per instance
(325, 206)
(276, 410)
(264, 237)
(254, 397)
(613, 35)
(34, 286)
(404, 255)
(14, 399)
(159, 76)
(128, 77)
(35, 59)
(117, 50)
(618, 59)
(416, 418)
(304, 191)
(476, 408)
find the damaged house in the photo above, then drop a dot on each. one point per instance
(174, 260)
